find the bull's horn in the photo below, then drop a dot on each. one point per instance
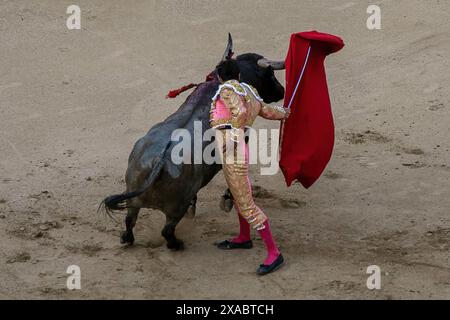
(229, 50)
(276, 65)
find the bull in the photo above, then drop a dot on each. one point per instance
(154, 181)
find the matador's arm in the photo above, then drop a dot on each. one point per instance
(273, 112)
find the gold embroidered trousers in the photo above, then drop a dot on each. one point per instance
(235, 166)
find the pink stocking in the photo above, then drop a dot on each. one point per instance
(272, 250)
(244, 231)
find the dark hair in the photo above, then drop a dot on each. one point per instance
(228, 70)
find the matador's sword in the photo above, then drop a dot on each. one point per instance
(292, 98)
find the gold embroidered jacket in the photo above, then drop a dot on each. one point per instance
(238, 104)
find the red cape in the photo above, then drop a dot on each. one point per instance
(308, 134)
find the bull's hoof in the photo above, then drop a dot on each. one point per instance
(175, 245)
(190, 213)
(226, 204)
(127, 238)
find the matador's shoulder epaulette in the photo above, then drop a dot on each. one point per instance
(231, 85)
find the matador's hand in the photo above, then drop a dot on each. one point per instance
(287, 113)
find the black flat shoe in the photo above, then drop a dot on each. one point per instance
(265, 269)
(229, 245)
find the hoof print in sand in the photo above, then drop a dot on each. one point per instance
(364, 137)
(20, 257)
(291, 203)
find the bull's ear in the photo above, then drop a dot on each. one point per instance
(174, 170)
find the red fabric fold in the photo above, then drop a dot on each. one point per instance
(308, 134)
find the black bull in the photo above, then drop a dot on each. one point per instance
(154, 181)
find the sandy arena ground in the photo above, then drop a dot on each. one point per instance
(73, 102)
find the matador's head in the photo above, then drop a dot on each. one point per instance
(253, 69)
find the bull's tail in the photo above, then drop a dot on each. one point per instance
(119, 202)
